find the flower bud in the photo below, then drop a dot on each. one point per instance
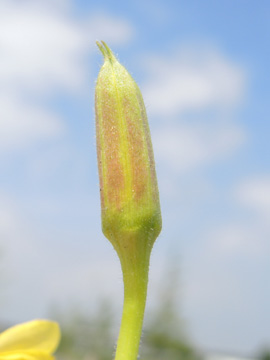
(128, 185)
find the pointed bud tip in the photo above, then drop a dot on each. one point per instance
(106, 51)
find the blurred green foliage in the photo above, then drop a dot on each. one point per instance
(264, 354)
(86, 337)
(94, 337)
(165, 332)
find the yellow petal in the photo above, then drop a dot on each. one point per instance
(26, 355)
(37, 335)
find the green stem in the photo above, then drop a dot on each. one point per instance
(135, 276)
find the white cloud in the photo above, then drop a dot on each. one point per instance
(8, 218)
(40, 48)
(205, 84)
(22, 123)
(238, 240)
(192, 79)
(185, 147)
(230, 264)
(217, 264)
(14, 232)
(32, 257)
(43, 51)
(254, 193)
(105, 27)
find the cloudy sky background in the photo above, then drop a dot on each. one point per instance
(203, 68)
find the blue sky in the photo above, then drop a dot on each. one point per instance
(202, 67)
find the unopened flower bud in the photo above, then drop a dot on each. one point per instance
(128, 185)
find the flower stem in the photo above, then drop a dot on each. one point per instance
(135, 277)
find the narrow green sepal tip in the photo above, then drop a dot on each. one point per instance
(105, 50)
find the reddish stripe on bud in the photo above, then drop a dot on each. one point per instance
(108, 132)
